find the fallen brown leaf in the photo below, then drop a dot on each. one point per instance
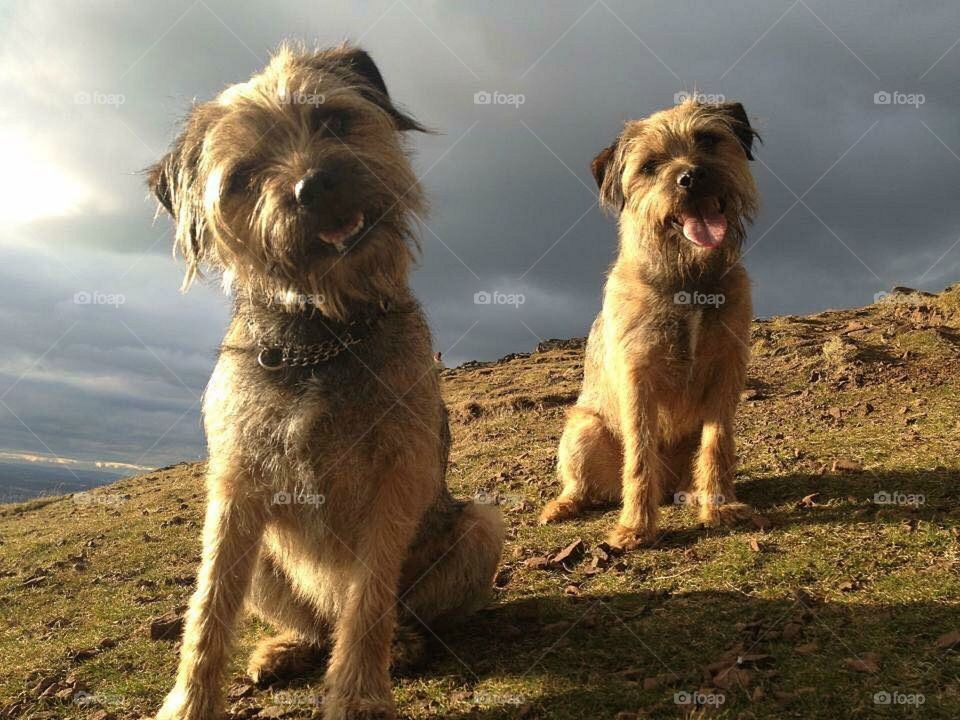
(571, 553)
(868, 662)
(167, 627)
(809, 500)
(539, 562)
(733, 677)
(949, 641)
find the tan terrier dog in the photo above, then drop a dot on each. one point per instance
(328, 510)
(666, 358)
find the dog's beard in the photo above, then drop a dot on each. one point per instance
(294, 268)
(671, 261)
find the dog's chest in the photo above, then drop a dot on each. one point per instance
(279, 417)
(693, 324)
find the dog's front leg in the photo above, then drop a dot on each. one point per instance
(231, 541)
(642, 466)
(358, 675)
(714, 473)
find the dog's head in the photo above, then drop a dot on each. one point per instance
(296, 182)
(681, 182)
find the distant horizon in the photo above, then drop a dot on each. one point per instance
(11, 457)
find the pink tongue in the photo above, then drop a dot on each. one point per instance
(706, 229)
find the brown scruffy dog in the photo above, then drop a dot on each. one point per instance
(328, 511)
(666, 358)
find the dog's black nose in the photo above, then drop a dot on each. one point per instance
(689, 177)
(312, 186)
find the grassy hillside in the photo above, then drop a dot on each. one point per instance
(840, 599)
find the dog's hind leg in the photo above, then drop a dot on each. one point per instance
(304, 635)
(678, 471)
(589, 464)
(450, 572)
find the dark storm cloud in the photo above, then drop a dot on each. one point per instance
(95, 93)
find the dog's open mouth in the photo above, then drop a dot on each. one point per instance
(704, 225)
(343, 236)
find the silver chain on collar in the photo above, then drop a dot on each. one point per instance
(276, 357)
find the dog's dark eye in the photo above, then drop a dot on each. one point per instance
(334, 124)
(239, 179)
(707, 140)
(649, 167)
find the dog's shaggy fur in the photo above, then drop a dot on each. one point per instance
(328, 511)
(666, 358)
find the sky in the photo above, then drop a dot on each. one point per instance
(104, 361)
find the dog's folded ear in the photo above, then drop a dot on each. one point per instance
(159, 177)
(740, 124)
(361, 64)
(174, 182)
(606, 171)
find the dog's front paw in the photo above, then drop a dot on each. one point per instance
(725, 514)
(557, 510)
(181, 705)
(624, 538)
(341, 707)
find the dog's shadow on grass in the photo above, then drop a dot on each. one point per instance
(889, 496)
(597, 655)
(795, 499)
(792, 500)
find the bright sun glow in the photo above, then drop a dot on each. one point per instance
(32, 186)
